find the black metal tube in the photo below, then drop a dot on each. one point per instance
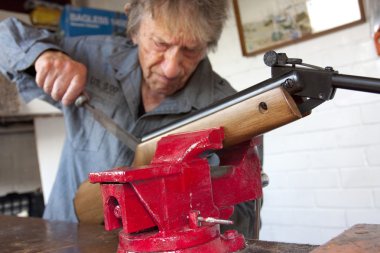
(357, 83)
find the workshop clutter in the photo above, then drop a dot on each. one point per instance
(28, 204)
(10, 101)
(44, 14)
(77, 21)
(74, 20)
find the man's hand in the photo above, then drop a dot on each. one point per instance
(59, 76)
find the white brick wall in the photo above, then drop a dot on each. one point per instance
(324, 170)
(377, 198)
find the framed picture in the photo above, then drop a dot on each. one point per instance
(266, 25)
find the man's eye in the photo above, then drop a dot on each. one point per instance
(161, 45)
(192, 52)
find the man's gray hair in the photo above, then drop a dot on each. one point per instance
(202, 20)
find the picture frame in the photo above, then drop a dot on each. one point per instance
(270, 24)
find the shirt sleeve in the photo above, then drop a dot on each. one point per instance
(21, 44)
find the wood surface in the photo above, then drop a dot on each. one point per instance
(361, 238)
(34, 235)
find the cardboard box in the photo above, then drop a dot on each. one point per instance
(78, 21)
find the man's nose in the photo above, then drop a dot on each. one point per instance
(171, 65)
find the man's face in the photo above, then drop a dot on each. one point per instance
(167, 60)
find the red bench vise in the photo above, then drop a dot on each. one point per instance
(177, 202)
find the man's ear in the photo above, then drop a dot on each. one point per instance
(135, 38)
(127, 8)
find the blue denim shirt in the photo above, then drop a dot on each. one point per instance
(113, 84)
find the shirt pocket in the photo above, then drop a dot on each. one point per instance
(84, 132)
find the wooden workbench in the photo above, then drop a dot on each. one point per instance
(32, 235)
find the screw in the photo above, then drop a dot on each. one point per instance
(289, 83)
(216, 221)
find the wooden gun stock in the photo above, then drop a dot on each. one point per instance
(241, 121)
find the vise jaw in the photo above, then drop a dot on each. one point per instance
(176, 203)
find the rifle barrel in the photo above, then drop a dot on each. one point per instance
(357, 83)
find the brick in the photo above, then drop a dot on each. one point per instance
(326, 45)
(372, 154)
(297, 234)
(278, 234)
(370, 113)
(247, 78)
(304, 217)
(358, 136)
(267, 232)
(287, 129)
(314, 235)
(277, 216)
(350, 98)
(314, 180)
(344, 198)
(288, 198)
(300, 142)
(333, 118)
(337, 158)
(348, 56)
(361, 177)
(286, 161)
(366, 68)
(325, 117)
(320, 218)
(277, 179)
(376, 194)
(368, 216)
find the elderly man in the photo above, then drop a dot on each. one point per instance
(157, 74)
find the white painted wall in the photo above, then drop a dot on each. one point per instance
(50, 135)
(324, 169)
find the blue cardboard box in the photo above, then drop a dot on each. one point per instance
(78, 21)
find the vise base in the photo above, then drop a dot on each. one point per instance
(176, 203)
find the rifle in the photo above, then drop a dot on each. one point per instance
(292, 92)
